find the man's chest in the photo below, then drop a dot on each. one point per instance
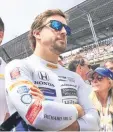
(56, 86)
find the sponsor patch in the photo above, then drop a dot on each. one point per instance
(23, 89)
(43, 76)
(69, 101)
(49, 99)
(58, 118)
(71, 79)
(44, 83)
(51, 66)
(48, 91)
(33, 112)
(62, 78)
(69, 92)
(26, 98)
(15, 73)
(1, 76)
(69, 85)
(21, 83)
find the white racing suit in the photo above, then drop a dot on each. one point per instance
(61, 89)
(3, 103)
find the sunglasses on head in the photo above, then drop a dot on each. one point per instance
(58, 26)
(97, 78)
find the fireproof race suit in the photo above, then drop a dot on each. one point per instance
(3, 103)
(61, 89)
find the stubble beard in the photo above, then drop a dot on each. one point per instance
(58, 48)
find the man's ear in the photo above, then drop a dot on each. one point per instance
(78, 69)
(1, 36)
(36, 34)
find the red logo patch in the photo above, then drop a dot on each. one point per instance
(15, 73)
(33, 112)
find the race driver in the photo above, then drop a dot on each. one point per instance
(61, 93)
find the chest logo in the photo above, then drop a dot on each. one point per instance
(43, 76)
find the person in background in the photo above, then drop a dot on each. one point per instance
(4, 111)
(102, 96)
(61, 101)
(3, 104)
(109, 64)
(81, 66)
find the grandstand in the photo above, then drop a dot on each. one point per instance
(91, 23)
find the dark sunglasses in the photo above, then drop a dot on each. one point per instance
(58, 26)
(97, 78)
(82, 63)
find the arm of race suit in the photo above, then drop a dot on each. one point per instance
(3, 101)
(90, 121)
(44, 115)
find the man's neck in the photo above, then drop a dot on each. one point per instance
(47, 55)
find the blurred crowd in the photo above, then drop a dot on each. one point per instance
(91, 52)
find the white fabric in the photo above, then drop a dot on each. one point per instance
(62, 89)
(3, 104)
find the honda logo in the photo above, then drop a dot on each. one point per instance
(43, 76)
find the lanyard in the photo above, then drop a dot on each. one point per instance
(106, 109)
(105, 118)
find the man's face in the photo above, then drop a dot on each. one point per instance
(54, 40)
(109, 65)
(85, 69)
(1, 36)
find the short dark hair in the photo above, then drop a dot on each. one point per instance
(73, 64)
(60, 57)
(39, 21)
(1, 25)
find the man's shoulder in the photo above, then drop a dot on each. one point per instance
(2, 61)
(68, 72)
(16, 63)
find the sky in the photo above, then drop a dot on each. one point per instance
(18, 15)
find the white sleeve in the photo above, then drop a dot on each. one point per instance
(44, 115)
(90, 121)
(3, 103)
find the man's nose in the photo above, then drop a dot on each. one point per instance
(63, 31)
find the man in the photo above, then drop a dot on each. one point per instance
(4, 112)
(109, 64)
(81, 66)
(59, 91)
(3, 104)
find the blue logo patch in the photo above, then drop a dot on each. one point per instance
(49, 99)
(48, 91)
(23, 89)
(26, 98)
